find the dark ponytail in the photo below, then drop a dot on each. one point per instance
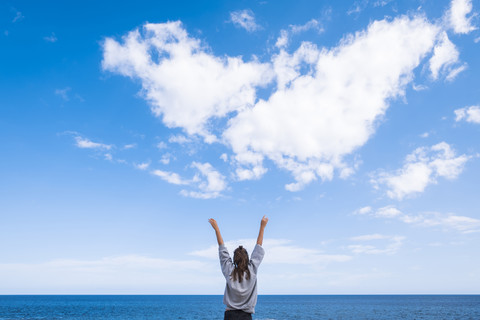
(240, 261)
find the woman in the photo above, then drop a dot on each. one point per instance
(241, 288)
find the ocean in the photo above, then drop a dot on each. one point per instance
(269, 307)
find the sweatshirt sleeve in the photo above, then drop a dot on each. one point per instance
(225, 261)
(257, 257)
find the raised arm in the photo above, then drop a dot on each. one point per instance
(263, 224)
(217, 231)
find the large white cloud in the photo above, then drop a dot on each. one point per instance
(325, 103)
(315, 118)
(421, 168)
(185, 84)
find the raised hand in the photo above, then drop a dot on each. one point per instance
(217, 231)
(213, 223)
(264, 222)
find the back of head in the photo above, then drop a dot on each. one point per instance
(240, 261)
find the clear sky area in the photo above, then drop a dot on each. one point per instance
(353, 125)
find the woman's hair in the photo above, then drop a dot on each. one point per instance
(240, 260)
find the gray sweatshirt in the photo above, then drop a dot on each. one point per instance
(240, 296)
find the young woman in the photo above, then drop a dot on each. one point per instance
(241, 289)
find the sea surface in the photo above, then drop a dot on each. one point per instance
(269, 307)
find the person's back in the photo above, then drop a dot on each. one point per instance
(241, 293)
(240, 274)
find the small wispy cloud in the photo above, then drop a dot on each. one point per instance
(180, 139)
(162, 145)
(18, 16)
(51, 38)
(63, 93)
(280, 251)
(373, 246)
(469, 114)
(285, 34)
(171, 177)
(448, 221)
(142, 166)
(419, 87)
(244, 19)
(85, 143)
(130, 146)
(165, 159)
(210, 182)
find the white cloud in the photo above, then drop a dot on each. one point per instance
(393, 244)
(85, 143)
(210, 182)
(431, 219)
(185, 84)
(113, 274)
(170, 177)
(282, 40)
(280, 251)
(161, 145)
(18, 16)
(310, 124)
(455, 72)
(459, 223)
(469, 114)
(130, 146)
(63, 93)
(368, 237)
(448, 221)
(457, 16)
(142, 166)
(425, 135)
(244, 19)
(325, 104)
(357, 7)
(421, 168)
(166, 158)
(207, 184)
(445, 55)
(179, 138)
(51, 38)
(419, 87)
(387, 212)
(108, 156)
(363, 210)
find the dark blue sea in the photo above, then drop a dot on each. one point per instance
(268, 307)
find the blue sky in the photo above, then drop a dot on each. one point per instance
(353, 126)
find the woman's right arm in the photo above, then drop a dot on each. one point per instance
(217, 231)
(225, 261)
